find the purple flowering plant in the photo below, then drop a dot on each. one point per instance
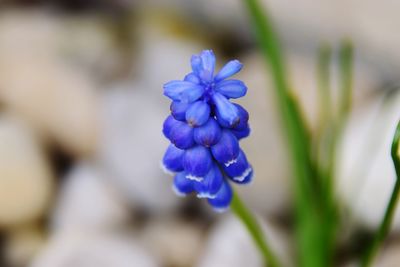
(204, 129)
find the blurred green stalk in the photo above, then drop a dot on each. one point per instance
(346, 73)
(316, 212)
(247, 218)
(323, 64)
(312, 210)
(386, 223)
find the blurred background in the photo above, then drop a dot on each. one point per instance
(81, 110)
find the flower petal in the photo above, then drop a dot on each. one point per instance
(240, 134)
(197, 162)
(203, 65)
(197, 65)
(208, 62)
(192, 77)
(198, 113)
(207, 134)
(178, 110)
(227, 149)
(183, 91)
(238, 170)
(210, 185)
(243, 118)
(227, 113)
(231, 88)
(169, 124)
(230, 68)
(193, 94)
(182, 135)
(182, 186)
(246, 177)
(173, 158)
(222, 199)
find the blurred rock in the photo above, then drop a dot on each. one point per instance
(86, 42)
(23, 244)
(87, 200)
(50, 66)
(229, 244)
(132, 146)
(91, 249)
(26, 182)
(175, 243)
(389, 256)
(59, 102)
(90, 43)
(366, 173)
(28, 35)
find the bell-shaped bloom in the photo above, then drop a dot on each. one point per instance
(231, 88)
(226, 112)
(198, 113)
(222, 199)
(239, 169)
(182, 186)
(178, 110)
(173, 159)
(240, 134)
(169, 124)
(230, 68)
(246, 178)
(243, 118)
(208, 134)
(183, 91)
(181, 135)
(197, 162)
(211, 184)
(227, 149)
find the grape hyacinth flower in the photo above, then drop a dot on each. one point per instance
(204, 129)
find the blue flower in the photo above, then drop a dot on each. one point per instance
(204, 129)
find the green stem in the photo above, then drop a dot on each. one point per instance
(309, 200)
(247, 218)
(323, 64)
(346, 73)
(384, 228)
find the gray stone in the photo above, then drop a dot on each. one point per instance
(229, 244)
(92, 249)
(87, 200)
(26, 181)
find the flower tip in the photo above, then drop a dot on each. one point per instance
(165, 169)
(206, 195)
(194, 178)
(230, 162)
(244, 176)
(177, 192)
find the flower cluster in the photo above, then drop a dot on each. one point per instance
(204, 129)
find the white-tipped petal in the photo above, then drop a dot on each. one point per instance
(194, 178)
(243, 176)
(229, 163)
